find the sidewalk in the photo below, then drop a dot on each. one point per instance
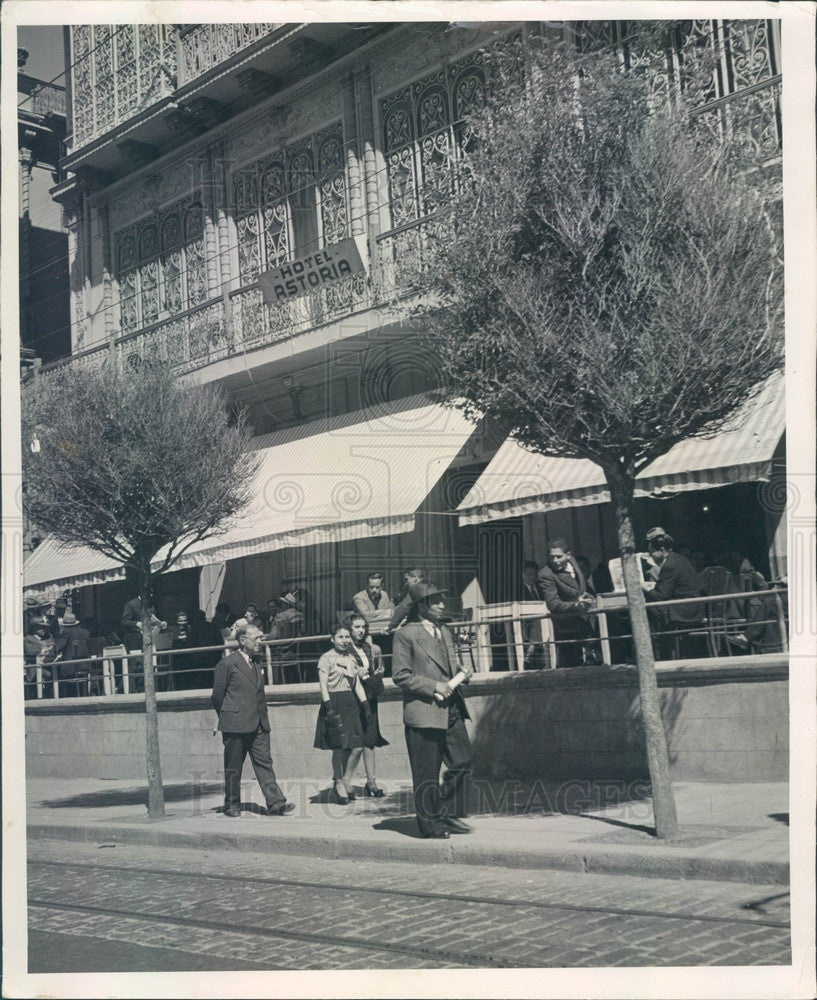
(728, 832)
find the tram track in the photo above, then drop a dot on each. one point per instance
(424, 895)
(339, 940)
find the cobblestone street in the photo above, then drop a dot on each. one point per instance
(123, 908)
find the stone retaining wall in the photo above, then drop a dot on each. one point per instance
(726, 720)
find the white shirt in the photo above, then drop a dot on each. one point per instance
(433, 629)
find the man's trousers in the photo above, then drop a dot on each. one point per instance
(236, 748)
(428, 749)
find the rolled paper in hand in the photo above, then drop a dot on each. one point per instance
(454, 683)
(456, 680)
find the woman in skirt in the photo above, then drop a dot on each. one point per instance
(370, 657)
(344, 719)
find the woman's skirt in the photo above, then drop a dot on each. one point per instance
(359, 728)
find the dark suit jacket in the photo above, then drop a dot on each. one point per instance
(71, 644)
(561, 593)
(530, 593)
(238, 696)
(131, 615)
(417, 666)
(677, 578)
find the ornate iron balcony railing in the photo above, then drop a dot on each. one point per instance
(117, 72)
(204, 46)
(45, 99)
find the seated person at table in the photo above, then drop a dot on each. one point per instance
(565, 592)
(676, 579)
(374, 603)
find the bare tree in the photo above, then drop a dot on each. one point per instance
(138, 466)
(605, 283)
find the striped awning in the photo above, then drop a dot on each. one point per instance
(518, 482)
(357, 476)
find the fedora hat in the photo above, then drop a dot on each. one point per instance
(423, 590)
(69, 618)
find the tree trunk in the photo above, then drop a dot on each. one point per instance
(156, 799)
(666, 819)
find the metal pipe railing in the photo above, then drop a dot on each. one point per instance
(166, 671)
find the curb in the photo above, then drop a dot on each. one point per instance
(668, 863)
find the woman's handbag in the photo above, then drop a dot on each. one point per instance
(332, 728)
(373, 685)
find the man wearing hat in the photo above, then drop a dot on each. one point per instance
(71, 644)
(243, 720)
(423, 664)
(285, 622)
(676, 578)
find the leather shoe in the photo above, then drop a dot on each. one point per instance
(282, 810)
(435, 833)
(232, 811)
(456, 825)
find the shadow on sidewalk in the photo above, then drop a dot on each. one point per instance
(185, 791)
(407, 825)
(626, 826)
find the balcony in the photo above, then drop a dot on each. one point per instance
(43, 99)
(139, 91)
(215, 331)
(205, 46)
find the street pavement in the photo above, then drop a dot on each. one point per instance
(733, 832)
(122, 907)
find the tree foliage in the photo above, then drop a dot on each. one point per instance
(605, 281)
(132, 461)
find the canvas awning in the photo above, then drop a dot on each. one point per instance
(518, 482)
(336, 479)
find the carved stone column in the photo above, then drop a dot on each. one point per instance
(74, 223)
(26, 164)
(354, 166)
(371, 154)
(212, 196)
(221, 200)
(103, 215)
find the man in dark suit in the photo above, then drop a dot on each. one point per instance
(676, 579)
(238, 697)
(531, 627)
(564, 589)
(71, 645)
(424, 663)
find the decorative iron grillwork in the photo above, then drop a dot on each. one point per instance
(117, 71)
(286, 207)
(160, 264)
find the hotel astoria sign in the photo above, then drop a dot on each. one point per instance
(310, 274)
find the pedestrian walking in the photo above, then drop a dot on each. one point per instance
(344, 723)
(424, 665)
(370, 658)
(238, 697)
